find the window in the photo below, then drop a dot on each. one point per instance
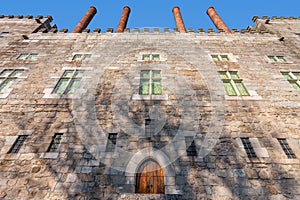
(69, 82)
(286, 148)
(112, 141)
(277, 58)
(77, 57)
(148, 127)
(248, 148)
(150, 82)
(293, 78)
(55, 142)
(7, 78)
(30, 56)
(18, 144)
(191, 149)
(4, 33)
(233, 84)
(154, 57)
(220, 57)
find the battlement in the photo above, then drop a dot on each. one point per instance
(201, 31)
(42, 24)
(275, 18)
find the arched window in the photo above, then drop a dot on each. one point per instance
(150, 178)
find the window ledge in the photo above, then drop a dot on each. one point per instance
(279, 63)
(4, 95)
(152, 61)
(162, 97)
(255, 160)
(51, 155)
(287, 161)
(10, 156)
(253, 98)
(49, 95)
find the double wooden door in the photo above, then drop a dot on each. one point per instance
(150, 178)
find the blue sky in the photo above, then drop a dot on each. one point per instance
(156, 13)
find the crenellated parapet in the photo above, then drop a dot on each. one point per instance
(198, 31)
(42, 24)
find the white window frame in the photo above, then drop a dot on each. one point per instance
(48, 91)
(138, 96)
(232, 82)
(220, 59)
(83, 56)
(70, 79)
(17, 79)
(150, 92)
(294, 78)
(151, 57)
(162, 56)
(10, 140)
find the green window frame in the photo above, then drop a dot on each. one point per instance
(8, 77)
(222, 57)
(69, 82)
(153, 57)
(277, 58)
(293, 78)
(233, 84)
(81, 56)
(150, 82)
(27, 56)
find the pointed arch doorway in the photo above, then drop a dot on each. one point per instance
(150, 178)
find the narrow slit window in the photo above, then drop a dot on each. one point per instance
(18, 144)
(112, 141)
(286, 148)
(55, 142)
(248, 148)
(190, 146)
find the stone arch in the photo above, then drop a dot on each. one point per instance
(158, 156)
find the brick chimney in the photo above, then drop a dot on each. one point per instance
(178, 20)
(123, 20)
(86, 19)
(216, 19)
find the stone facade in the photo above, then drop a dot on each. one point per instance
(193, 104)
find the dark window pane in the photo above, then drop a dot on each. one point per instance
(18, 144)
(248, 148)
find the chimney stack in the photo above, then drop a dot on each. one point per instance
(217, 20)
(123, 20)
(86, 19)
(178, 20)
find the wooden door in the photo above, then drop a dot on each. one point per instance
(150, 178)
